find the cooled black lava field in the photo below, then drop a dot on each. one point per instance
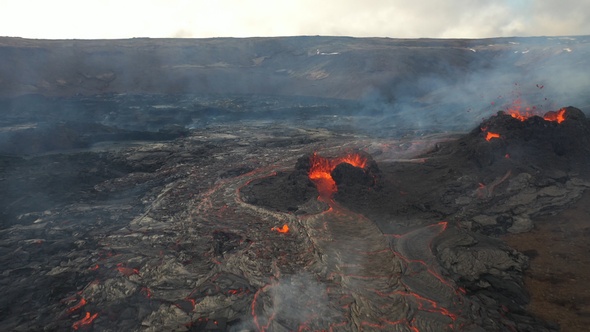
(298, 224)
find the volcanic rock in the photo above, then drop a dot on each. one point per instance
(521, 224)
(285, 191)
(533, 140)
(346, 175)
(177, 234)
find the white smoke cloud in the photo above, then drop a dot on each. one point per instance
(291, 302)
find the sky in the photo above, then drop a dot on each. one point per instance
(109, 19)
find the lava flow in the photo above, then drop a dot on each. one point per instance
(86, 321)
(491, 135)
(321, 169)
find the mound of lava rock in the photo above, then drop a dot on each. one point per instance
(559, 140)
(313, 176)
(354, 171)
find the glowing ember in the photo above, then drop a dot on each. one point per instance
(491, 135)
(87, 320)
(321, 169)
(284, 229)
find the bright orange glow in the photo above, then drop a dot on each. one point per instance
(321, 169)
(87, 320)
(284, 229)
(77, 306)
(558, 116)
(520, 116)
(491, 135)
(515, 112)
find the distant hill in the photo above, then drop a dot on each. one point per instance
(386, 70)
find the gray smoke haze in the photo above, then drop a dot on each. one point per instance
(542, 76)
(402, 83)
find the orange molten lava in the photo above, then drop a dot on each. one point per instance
(78, 306)
(321, 169)
(87, 320)
(558, 116)
(491, 135)
(520, 116)
(284, 229)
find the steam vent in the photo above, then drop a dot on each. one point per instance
(295, 184)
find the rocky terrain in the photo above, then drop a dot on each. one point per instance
(378, 69)
(150, 185)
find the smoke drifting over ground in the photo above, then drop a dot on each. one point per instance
(536, 75)
(292, 301)
(451, 84)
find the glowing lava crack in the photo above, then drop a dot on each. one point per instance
(386, 283)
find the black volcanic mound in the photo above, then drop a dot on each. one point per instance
(287, 191)
(355, 182)
(534, 141)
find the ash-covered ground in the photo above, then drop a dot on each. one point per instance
(131, 222)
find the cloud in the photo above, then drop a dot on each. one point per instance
(236, 18)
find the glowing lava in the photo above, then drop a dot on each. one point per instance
(80, 304)
(522, 116)
(321, 169)
(491, 135)
(87, 320)
(284, 229)
(552, 116)
(558, 116)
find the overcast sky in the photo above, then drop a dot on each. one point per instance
(93, 19)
